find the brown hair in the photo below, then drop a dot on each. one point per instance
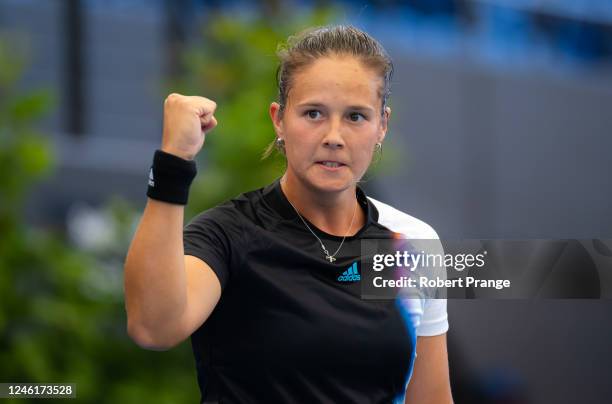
(307, 46)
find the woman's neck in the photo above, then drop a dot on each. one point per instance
(330, 212)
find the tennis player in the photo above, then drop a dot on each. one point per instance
(267, 284)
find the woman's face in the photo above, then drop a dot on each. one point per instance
(331, 123)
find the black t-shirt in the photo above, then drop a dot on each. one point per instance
(289, 328)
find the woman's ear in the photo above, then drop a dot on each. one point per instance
(275, 115)
(384, 124)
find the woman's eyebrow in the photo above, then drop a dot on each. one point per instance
(320, 105)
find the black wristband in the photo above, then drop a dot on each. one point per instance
(170, 178)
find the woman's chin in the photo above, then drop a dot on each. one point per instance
(332, 184)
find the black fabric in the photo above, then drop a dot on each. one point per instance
(170, 178)
(286, 330)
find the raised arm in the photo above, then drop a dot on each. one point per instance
(169, 295)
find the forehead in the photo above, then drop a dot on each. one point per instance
(336, 78)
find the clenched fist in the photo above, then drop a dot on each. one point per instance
(187, 119)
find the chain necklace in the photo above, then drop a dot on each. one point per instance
(330, 258)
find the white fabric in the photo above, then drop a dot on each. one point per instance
(429, 314)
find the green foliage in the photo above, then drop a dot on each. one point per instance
(62, 317)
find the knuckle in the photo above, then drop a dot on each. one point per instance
(172, 98)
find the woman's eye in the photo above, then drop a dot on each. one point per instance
(355, 116)
(312, 114)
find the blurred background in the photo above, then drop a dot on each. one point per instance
(501, 128)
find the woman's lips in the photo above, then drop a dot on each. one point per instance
(331, 165)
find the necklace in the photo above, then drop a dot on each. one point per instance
(331, 258)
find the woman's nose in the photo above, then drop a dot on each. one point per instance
(333, 144)
(333, 139)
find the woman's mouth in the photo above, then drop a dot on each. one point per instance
(331, 165)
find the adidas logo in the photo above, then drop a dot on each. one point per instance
(151, 180)
(351, 274)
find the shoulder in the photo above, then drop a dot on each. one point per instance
(401, 222)
(428, 311)
(238, 210)
(224, 213)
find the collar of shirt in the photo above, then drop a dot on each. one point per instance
(276, 199)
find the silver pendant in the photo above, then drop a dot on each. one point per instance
(327, 256)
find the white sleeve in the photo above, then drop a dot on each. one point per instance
(434, 320)
(428, 313)
(430, 317)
